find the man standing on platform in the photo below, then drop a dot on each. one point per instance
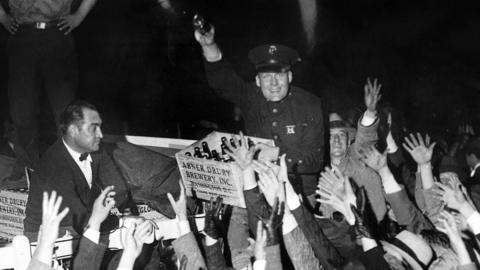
(272, 107)
(41, 54)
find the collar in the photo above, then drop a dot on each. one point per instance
(472, 172)
(76, 155)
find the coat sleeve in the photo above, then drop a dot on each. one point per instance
(299, 250)
(407, 213)
(366, 135)
(227, 84)
(325, 252)
(89, 256)
(256, 207)
(187, 245)
(373, 259)
(274, 260)
(214, 257)
(38, 265)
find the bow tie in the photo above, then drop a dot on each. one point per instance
(83, 156)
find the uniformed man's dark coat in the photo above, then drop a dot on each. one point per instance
(294, 123)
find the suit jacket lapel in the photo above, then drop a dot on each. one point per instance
(81, 185)
(97, 185)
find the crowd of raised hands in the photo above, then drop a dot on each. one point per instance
(431, 222)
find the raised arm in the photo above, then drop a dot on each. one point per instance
(185, 244)
(368, 124)
(51, 218)
(91, 251)
(220, 74)
(421, 151)
(406, 212)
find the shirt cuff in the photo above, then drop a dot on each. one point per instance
(293, 202)
(368, 119)
(214, 59)
(259, 264)
(289, 224)
(390, 184)
(391, 144)
(92, 235)
(474, 223)
(183, 227)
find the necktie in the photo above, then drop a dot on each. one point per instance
(83, 156)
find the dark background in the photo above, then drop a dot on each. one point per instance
(142, 68)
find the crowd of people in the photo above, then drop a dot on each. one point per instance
(378, 199)
(372, 209)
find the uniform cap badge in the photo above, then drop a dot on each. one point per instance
(272, 49)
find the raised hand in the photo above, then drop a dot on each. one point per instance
(242, 155)
(268, 183)
(274, 222)
(360, 228)
(452, 197)
(133, 242)
(207, 39)
(450, 228)
(372, 95)
(179, 206)
(420, 150)
(145, 231)
(8, 22)
(101, 207)
(49, 230)
(335, 182)
(212, 217)
(51, 217)
(267, 153)
(373, 158)
(335, 190)
(261, 242)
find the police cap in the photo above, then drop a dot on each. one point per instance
(273, 58)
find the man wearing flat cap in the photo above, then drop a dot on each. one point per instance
(272, 107)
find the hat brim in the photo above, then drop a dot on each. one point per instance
(412, 262)
(274, 67)
(351, 132)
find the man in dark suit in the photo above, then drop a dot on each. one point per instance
(472, 155)
(71, 168)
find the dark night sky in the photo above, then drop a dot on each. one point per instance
(140, 65)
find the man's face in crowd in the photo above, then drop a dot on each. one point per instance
(274, 85)
(87, 133)
(471, 160)
(338, 142)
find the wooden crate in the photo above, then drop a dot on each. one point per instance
(209, 178)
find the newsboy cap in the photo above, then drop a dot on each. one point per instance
(273, 58)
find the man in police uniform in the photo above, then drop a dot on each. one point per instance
(272, 107)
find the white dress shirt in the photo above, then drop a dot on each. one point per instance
(85, 165)
(472, 172)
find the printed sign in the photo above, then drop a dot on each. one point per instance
(210, 177)
(12, 213)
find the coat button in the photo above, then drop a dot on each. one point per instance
(300, 161)
(275, 137)
(289, 160)
(274, 123)
(274, 110)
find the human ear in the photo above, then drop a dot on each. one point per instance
(257, 80)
